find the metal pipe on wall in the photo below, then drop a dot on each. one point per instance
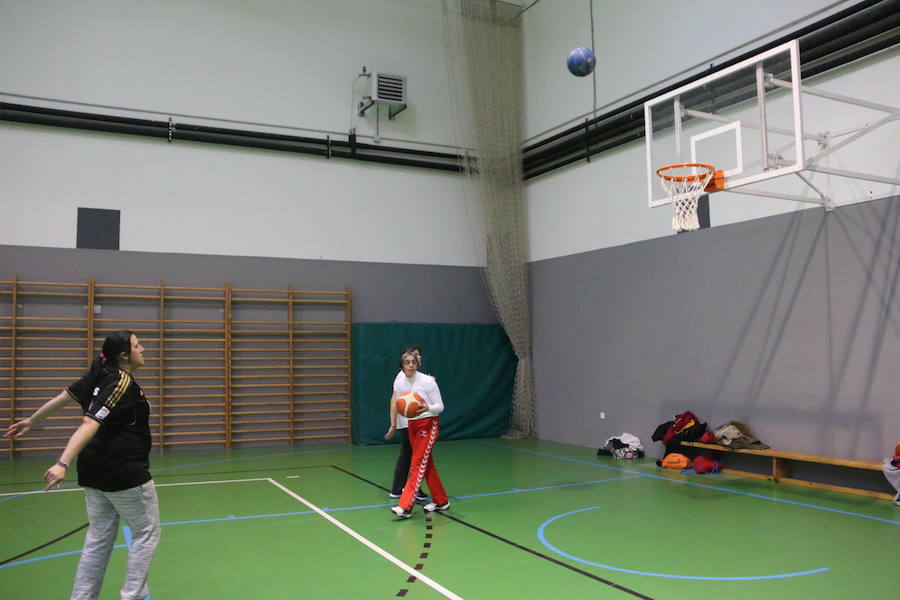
(848, 35)
(233, 137)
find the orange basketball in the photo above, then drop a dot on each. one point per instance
(408, 404)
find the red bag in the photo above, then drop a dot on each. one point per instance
(702, 464)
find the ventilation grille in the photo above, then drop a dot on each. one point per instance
(389, 88)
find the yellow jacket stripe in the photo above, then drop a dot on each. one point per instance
(124, 382)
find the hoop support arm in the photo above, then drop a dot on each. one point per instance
(853, 174)
(838, 97)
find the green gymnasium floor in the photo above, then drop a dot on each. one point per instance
(529, 519)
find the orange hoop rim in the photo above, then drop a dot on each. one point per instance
(694, 177)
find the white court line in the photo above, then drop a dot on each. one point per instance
(78, 489)
(417, 574)
(206, 482)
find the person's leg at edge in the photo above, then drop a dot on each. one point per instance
(103, 525)
(140, 509)
(401, 468)
(893, 476)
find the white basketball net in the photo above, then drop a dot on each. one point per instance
(684, 191)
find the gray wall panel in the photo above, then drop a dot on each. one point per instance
(790, 323)
(380, 291)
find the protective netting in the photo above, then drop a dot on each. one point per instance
(484, 54)
(684, 191)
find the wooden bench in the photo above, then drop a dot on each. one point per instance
(781, 467)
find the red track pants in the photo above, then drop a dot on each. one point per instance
(423, 434)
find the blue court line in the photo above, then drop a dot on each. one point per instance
(514, 491)
(127, 532)
(23, 494)
(565, 458)
(543, 538)
(546, 487)
(695, 484)
(234, 518)
(39, 558)
(501, 493)
(388, 505)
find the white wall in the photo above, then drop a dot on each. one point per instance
(287, 63)
(637, 45)
(600, 204)
(208, 199)
(291, 64)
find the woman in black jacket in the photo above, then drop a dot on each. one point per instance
(112, 445)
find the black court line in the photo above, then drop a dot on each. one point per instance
(424, 555)
(517, 546)
(53, 541)
(372, 483)
(361, 478)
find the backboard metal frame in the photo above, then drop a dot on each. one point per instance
(768, 164)
(770, 171)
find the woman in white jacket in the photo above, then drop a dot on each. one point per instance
(423, 433)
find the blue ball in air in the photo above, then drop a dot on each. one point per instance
(581, 62)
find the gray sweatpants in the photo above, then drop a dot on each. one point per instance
(140, 510)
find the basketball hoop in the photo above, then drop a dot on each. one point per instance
(684, 190)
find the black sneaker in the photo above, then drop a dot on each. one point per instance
(432, 507)
(420, 497)
(393, 495)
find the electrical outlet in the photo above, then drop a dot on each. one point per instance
(602, 415)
